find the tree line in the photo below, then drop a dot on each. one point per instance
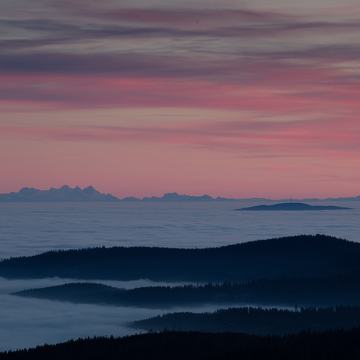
(254, 320)
(300, 256)
(340, 289)
(332, 344)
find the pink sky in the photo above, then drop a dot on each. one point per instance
(231, 99)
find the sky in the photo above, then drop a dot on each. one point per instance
(138, 98)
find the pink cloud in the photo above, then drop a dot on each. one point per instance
(297, 138)
(289, 96)
(293, 74)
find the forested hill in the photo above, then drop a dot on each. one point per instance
(180, 345)
(256, 320)
(327, 291)
(296, 256)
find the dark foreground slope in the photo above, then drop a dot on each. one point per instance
(303, 255)
(291, 207)
(256, 320)
(343, 289)
(169, 345)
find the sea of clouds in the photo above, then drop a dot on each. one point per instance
(28, 229)
(32, 228)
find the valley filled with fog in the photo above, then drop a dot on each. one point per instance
(28, 229)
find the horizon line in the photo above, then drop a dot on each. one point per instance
(183, 195)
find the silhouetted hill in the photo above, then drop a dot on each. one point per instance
(342, 289)
(256, 320)
(293, 206)
(88, 293)
(180, 345)
(297, 256)
(65, 193)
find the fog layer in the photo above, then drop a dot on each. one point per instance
(30, 322)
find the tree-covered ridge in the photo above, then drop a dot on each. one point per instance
(179, 345)
(296, 256)
(256, 320)
(342, 289)
(88, 293)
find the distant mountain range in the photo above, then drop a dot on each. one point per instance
(172, 197)
(89, 194)
(65, 193)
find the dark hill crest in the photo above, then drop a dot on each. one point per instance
(303, 255)
(291, 206)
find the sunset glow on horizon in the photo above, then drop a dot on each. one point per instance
(234, 99)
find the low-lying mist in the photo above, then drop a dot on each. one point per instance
(28, 322)
(10, 286)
